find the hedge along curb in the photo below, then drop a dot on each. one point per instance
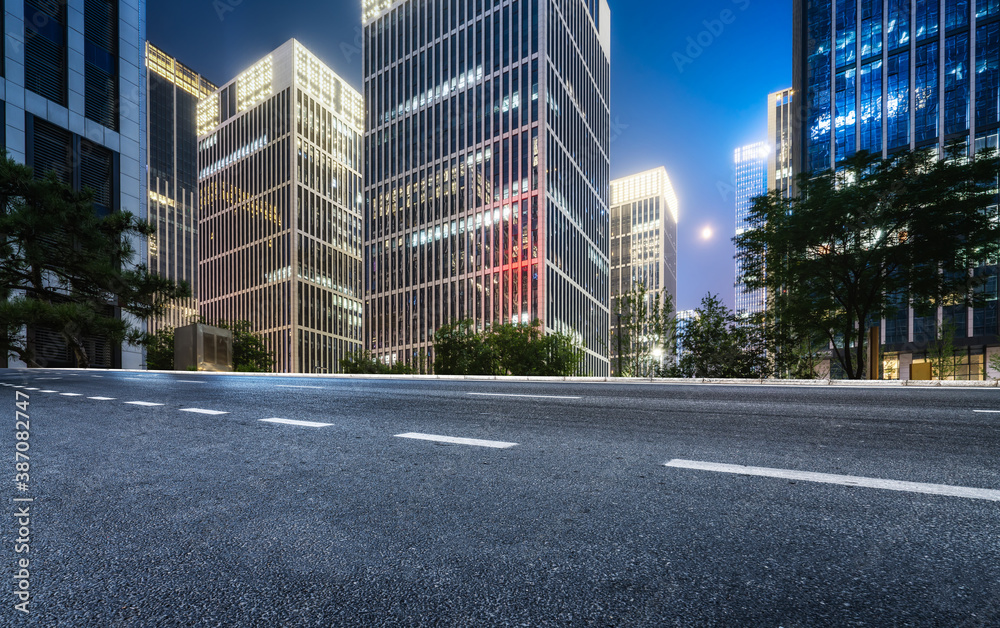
(836, 383)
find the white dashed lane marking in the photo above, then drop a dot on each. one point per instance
(312, 387)
(987, 411)
(102, 398)
(143, 403)
(844, 480)
(47, 391)
(189, 381)
(203, 411)
(457, 441)
(292, 422)
(71, 394)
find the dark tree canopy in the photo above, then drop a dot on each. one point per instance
(508, 349)
(65, 269)
(856, 243)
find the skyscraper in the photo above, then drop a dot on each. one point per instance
(487, 173)
(780, 131)
(172, 94)
(74, 96)
(644, 215)
(896, 75)
(751, 181)
(279, 158)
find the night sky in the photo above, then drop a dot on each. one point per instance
(675, 102)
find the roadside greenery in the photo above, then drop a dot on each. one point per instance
(508, 349)
(643, 332)
(65, 269)
(878, 234)
(250, 352)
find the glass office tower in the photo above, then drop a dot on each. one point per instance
(780, 131)
(888, 75)
(644, 214)
(73, 90)
(172, 94)
(487, 175)
(751, 181)
(279, 182)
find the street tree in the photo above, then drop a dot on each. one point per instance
(836, 258)
(643, 331)
(718, 344)
(66, 269)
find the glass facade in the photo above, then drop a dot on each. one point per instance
(172, 94)
(280, 204)
(751, 181)
(487, 170)
(64, 113)
(644, 215)
(928, 74)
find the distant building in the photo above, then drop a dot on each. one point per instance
(280, 227)
(883, 77)
(172, 94)
(751, 181)
(644, 215)
(780, 132)
(74, 96)
(487, 170)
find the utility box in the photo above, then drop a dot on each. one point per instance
(202, 347)
(920, 371)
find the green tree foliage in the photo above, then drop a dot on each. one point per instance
(837, 256)
(250, 352)
(364, 363)
(160, 350)
(718, 344)
(644, 332)
(942, 351)
(64, 268)
(525, 350)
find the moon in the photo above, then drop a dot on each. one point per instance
(706, 233)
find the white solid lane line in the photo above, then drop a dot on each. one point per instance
(496, 444)
(102, 398)
(313, 387)
(844, 480)
(526, 396)
(202, 411)
(143, 403)
(302, 423)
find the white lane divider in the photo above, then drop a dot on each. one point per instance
(143, 403)
(843, 480)
(312, 387)
(102, 398)
(203, 411)
(525, 396)
(47, 391)
(987, 411)
(189, 381)
(71, 394)
(293, 422)
(496, 444)
(26, 388)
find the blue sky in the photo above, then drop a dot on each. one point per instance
(689, 84)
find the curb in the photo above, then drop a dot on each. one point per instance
(836, 383)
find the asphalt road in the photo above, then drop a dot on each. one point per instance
(156, 515)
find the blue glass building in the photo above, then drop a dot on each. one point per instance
(888, 75)
(751, 182)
